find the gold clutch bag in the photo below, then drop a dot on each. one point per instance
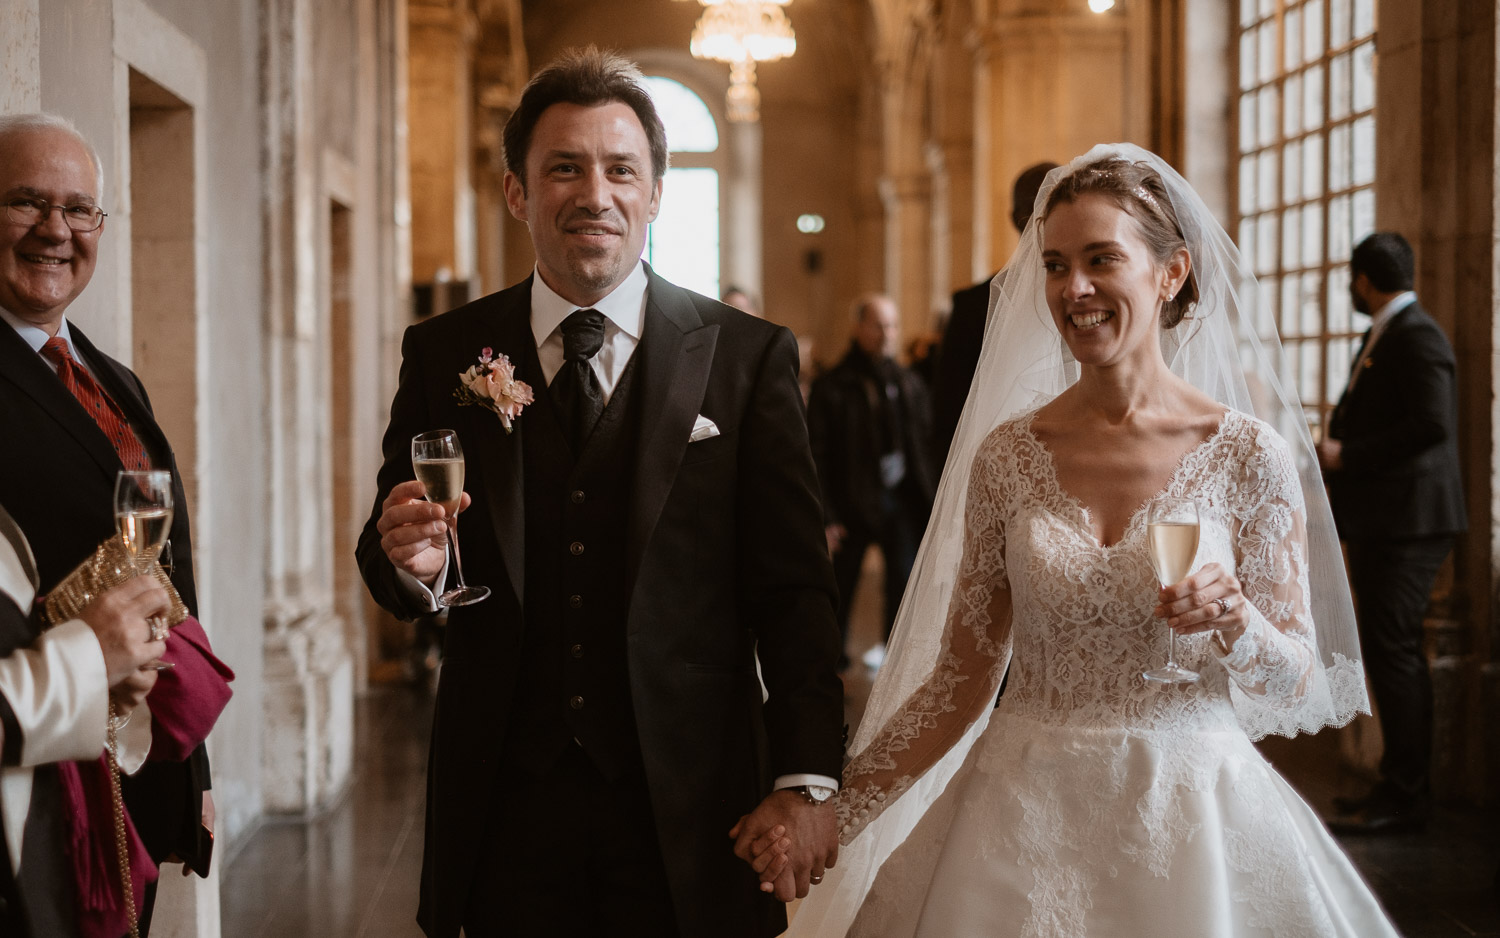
(109, 566)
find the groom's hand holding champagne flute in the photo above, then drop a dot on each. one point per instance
(414, 531)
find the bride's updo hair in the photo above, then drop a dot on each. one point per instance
(1138, 191)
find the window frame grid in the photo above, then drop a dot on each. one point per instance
(1297, 341)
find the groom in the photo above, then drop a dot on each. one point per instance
(649, 526)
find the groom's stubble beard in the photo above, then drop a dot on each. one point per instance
(602, 268)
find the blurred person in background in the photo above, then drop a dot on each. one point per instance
(869, 422)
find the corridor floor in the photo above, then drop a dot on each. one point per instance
(352, 872)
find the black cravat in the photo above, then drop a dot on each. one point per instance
(575, 387)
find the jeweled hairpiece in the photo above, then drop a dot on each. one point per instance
(1138, 191)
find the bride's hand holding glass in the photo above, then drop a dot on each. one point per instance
(1208, 600)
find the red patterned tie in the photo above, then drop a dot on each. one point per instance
(106, 413)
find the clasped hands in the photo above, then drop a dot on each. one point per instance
(789, 842)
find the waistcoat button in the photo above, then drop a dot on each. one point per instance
(575, 601)
(575, 548)
(576, 703)
(577, 651)
(578, 497)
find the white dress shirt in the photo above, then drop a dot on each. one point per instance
(36, 337)
(624, 312)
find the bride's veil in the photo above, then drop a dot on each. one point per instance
(1228, 348)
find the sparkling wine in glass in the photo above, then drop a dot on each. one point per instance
(143, 516)
(438, 461)
(143, 511)
(1172, 534)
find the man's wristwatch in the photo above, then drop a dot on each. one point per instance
(815, 794)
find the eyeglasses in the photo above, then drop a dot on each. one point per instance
(29, 212)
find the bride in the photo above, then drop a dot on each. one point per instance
(1119, 366)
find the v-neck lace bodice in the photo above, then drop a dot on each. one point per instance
(1072, 619)
(1047, 465)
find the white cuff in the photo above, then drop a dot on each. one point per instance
(134, 740)
(418, 593)
(792, 781)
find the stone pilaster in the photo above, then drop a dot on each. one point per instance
(307, 734)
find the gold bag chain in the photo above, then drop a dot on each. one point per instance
(117, 804)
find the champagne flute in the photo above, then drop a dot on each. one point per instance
(143, 516)
(1172, 533)
(438, 462)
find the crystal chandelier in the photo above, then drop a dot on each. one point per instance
(743, 32)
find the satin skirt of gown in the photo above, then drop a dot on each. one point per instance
(1041, 834)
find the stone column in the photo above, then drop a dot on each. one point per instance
(308, 728)
(1056, 79)
(904, 40)
(908, 261)
(440, 64)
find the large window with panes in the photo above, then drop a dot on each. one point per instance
(1305, 140)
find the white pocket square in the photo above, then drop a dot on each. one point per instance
(703, 429)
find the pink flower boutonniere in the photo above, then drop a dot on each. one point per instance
(492, 384)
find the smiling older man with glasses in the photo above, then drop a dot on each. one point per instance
(73, 417)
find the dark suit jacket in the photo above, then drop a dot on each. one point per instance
(846, 442)
(1399, 427)
(724, 557)
(58, 484)
(958, 357)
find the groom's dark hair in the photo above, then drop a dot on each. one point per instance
(587, 77)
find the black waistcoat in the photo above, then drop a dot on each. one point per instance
(573, 681)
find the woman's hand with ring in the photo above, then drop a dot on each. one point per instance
(1209, 600)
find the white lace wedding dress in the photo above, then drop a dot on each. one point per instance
(1094, 803)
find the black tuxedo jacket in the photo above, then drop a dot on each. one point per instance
(58, 481)
(724, 558)
(1399, 427)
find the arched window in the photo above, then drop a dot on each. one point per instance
(683, 243)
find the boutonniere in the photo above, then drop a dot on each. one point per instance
(492, 384)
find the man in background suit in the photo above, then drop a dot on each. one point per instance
(55, 692)
(78, 415)
(958, 356)
(648, 526)
(1391, 459)
(868, 418)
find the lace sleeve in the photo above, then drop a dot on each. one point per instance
(974, 653)
(1274, 664)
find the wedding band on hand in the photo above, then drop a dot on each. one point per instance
(1224, 606)
(158, 628)
(815, 879)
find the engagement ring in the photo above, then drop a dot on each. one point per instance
(1224, 606)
